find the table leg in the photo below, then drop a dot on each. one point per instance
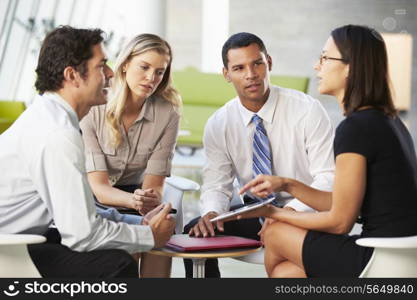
(199, 266)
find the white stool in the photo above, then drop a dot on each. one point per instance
(14, 256)
(253, 258)
(392, 257)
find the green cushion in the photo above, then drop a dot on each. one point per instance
(5, 123)
(193, 120)
(292, 82)
(11, 109)
(202, 88)
(213, 90)
(9, 112)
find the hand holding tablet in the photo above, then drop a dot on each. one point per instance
(243, 209)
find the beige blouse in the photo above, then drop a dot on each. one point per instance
(147, 147)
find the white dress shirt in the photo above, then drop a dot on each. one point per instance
(301, 138)
(43, 180)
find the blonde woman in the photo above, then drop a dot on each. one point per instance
(129, 142)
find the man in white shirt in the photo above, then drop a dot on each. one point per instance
(43, 178)
(297, 141)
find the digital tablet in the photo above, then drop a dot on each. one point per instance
(243, 209)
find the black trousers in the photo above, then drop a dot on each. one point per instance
(247, 228)
(54, 260)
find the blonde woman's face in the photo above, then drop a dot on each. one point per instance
(144, 73)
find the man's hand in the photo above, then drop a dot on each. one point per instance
(162, 224)
(206, 228)
(146, 218)
(145, 200)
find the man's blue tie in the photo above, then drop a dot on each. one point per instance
(262, 158)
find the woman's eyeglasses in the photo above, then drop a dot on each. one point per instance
(324, 58)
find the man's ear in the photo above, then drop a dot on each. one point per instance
(226, 74)
(72, 76)
(269, 60)
(347, 71)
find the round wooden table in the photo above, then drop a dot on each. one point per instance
(199, 257)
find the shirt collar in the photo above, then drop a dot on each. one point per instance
(266, 113)
(65, 105)
(147, 111)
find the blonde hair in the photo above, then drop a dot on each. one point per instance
(120, 90)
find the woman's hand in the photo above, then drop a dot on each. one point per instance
(264, 185)
(145, 200)
(261, 232)
(266, 211)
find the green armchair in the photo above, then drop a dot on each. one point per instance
(9, 112)
(204, 93)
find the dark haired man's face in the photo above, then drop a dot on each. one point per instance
(95, 85)
(248, 69)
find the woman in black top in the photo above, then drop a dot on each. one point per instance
(376, 170)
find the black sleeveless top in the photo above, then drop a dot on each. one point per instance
(389, 207)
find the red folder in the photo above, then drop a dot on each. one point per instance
(185, 243)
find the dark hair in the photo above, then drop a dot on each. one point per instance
(64, 46)
(240, 40)
(368, 82)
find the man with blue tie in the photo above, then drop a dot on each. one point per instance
(264, 130)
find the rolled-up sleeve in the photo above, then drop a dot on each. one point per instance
(94, 156)
(160, 160)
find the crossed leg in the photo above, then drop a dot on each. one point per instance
(283, 250)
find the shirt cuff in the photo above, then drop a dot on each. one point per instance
(146, 240)
(214, 201)
(95, 162)
(299, 206)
